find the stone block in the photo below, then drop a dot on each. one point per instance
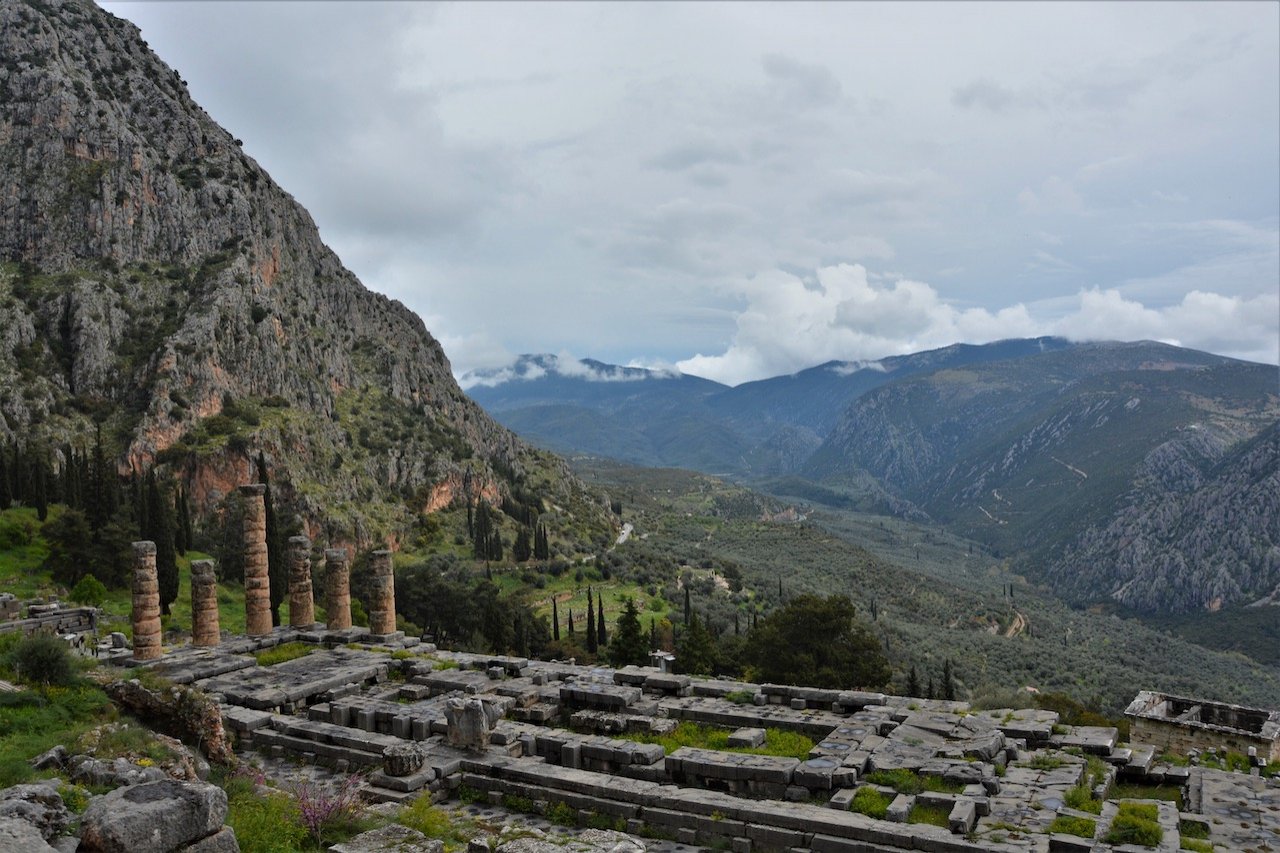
(747, 737)
(964, 814)
(900, 808)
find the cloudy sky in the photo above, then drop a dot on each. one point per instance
(746, 189)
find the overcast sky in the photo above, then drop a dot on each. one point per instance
(746, 189)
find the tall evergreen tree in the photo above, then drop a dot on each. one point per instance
(913, 683)
(555, 619)
(522, 549)
(688, 606)
(41, 496)
(948, 681)
(696, 649)
(602, 636)
(592, 638)
(161, 532)
(570, 621)
(6, 490)
(628, 644)
(277, 572)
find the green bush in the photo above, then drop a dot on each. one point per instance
(42, 659)
(270, 824)
(1135, 823)
(89, 591)
(1081, 799)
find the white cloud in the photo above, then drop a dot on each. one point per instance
(846, 316)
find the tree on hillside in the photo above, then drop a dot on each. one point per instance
(948, 681)
(628, 644)
(277, 572)
(602, 636)
(913, 683)
(555, 619)
(522, 550)
(160, 520)
(592, 637)
(695, 649)
(816, 642)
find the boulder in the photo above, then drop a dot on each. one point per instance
(157, 817)
(392, 838)
(18, 835)
(39, 805)
(184, 712)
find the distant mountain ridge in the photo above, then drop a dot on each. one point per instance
(1108, 468)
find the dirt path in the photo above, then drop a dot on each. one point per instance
(1016, 627)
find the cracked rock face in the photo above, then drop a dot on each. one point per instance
(39, 806)
(151, 270)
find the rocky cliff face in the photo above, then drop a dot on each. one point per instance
(157, 280)
(1092, 463)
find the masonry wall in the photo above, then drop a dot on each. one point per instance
(1182, 737)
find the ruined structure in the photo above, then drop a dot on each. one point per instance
(1178, 724)
(382, 609)
(146, 602)
(301, 605)
(204, 604)
(337, 589)
(257, 578)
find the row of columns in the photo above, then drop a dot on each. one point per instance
(257, 587)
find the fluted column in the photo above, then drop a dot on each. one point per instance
(302, 613)
(337, 589)
(382, 611)
(146, 602)
(257, 578)
(204, 604)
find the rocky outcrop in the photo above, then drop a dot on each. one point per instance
(159, 817)
(185, 712)
(155, 276)
(40, 806)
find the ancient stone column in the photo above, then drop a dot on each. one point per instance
(204, 604)
(146, 602)
(302, 613)
(257, 579)
(337, 589)
(382, 609)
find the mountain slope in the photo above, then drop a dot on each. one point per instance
(1029, 454)
(156, 280)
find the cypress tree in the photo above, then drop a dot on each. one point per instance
(161, 532)
(6, 493)
(948, 682)
(179, 528)
(602, 638)
(41, 490)
(913, 683)
(592, 638)
(628, 641)
(555, 619)
(688, 607)
(570, 621)
(277, 573)
(522, 550)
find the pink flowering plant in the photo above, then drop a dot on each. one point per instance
(323, 807)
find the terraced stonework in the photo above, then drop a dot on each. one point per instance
(565, 737)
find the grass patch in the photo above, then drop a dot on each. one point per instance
(740, 697)
(1045, 762)
(1136, 823)
(1196, 845)
(1170, 793)
(35, 721)
(1081, 799)
(776, 741)
(1193, 829)
(906, 782)
(1081, 827)
(268, 823)
(282, 653)
(930, 814)
(871, 802)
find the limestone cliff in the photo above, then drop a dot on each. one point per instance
(156, 279)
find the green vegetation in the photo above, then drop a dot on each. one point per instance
(1193, 829)
(906, 782)
(1195, 844)
(41, 659)
(1068, 825)
(263, 823)
(1135, 823)
(871, 802)
(776, 742)
(933, 815)
(1081, 799)
(1171, 793)
(33, 721)
(282, 653)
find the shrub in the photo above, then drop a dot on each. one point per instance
(42, 659)
(1135, 823)
(269, 824)
(426, 818)
(324, 807)
(89, 591)
(1081, 798)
